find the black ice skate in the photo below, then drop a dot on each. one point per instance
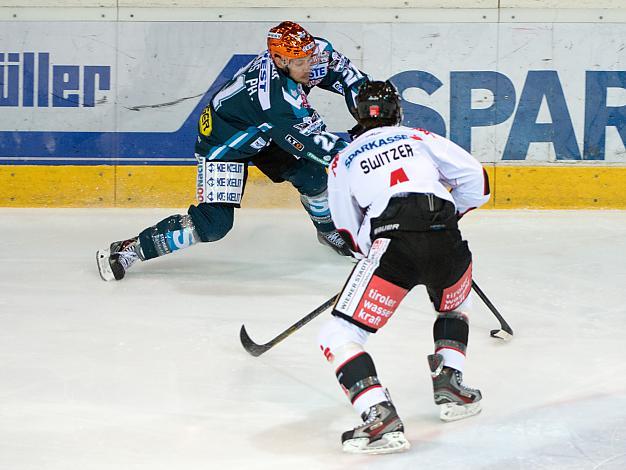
(115, 261)
(382, 432)
(333, 240)
(455, 399)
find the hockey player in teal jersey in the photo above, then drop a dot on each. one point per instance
(261, 116)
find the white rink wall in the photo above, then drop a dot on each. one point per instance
(489, 78)
(593, 4)
(527, 86)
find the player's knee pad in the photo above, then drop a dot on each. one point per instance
(212, 221)
(171, 234)
(451, 333)
(342, 345)
(369, 300)
(338, 339)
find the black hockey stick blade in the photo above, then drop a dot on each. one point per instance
(505, 332)
(249, 345)
(257, 349)
(502, 334)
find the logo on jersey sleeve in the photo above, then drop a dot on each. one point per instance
(310, 125)
(295, 143)
(259, 143)
(338, 86)
(206, 122)
(338, 62)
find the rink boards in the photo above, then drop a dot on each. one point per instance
(570, 187)
(104, 113)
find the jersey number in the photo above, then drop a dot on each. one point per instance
(325, 140)
(229, 91)
(350, 76)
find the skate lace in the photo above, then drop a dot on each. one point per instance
(372, 416)
(459, 381)
(334, 238)
(127, 257)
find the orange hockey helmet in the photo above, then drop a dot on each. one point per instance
(290, 40)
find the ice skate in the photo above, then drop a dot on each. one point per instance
(333, 240)
(455, 399)
(113, 262)
(382, 432)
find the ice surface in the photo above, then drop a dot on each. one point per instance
(148, 373)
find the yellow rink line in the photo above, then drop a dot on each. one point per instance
(513, 187)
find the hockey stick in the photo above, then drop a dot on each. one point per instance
(258, 349)
(505, 332)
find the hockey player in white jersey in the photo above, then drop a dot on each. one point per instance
(395, 195)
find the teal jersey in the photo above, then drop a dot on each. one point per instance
(261, 104)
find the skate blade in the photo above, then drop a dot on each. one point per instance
(389, 443)
(104, 268)
(454, 412)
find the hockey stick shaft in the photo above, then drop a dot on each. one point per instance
(503, 324)
(258, 349)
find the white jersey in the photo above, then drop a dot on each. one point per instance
(386, 161)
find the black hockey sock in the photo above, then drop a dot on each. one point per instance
(358, 375)
(317, 208)
(171, 234)
(451, 330)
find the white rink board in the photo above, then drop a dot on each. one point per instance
(159, 72)
(255, 4)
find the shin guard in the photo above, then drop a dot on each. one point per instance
(358, 379)
(173, 233)
(451, 333)
(318, 210)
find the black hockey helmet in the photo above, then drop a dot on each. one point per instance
(378, 104)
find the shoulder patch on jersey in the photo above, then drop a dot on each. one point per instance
(338, 62)
(310, 124)
(206, 122)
